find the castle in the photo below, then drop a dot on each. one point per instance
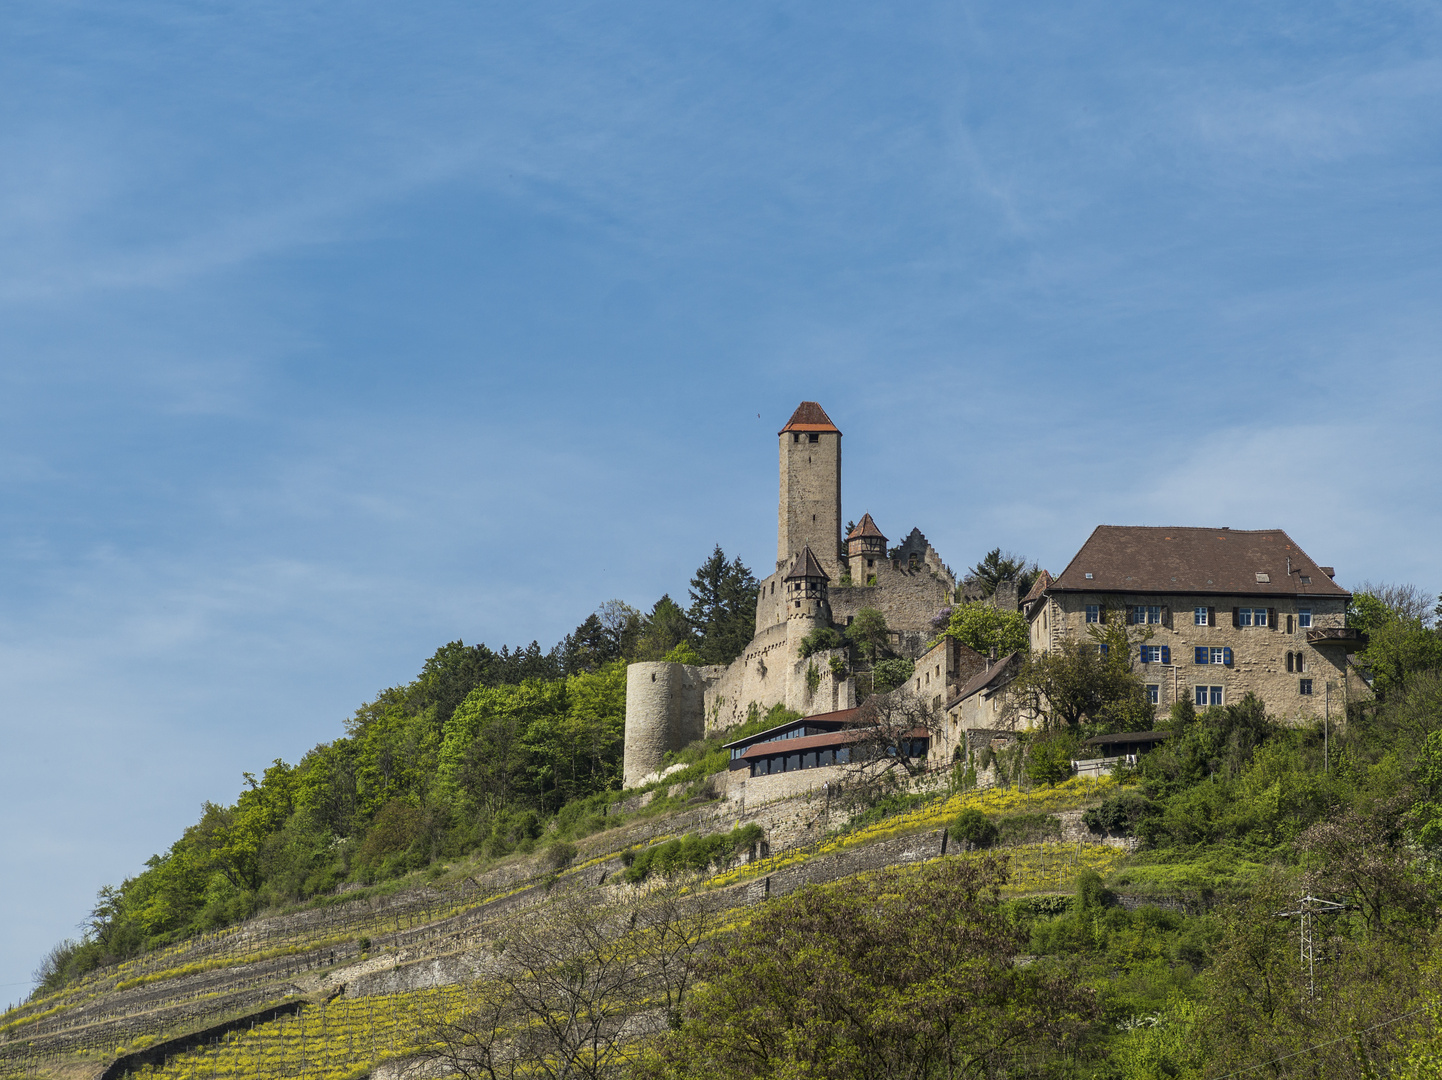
(819, 581)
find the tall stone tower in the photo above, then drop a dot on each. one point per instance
(810, 509)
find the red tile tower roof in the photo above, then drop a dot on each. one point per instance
(865, 527)
(809, 416)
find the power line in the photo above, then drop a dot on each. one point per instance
(1318, 1046)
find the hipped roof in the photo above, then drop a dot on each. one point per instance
(865, 527)
(1145, 558)
(806, 566)
(809, 416)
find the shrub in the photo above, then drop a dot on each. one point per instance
(560, 854)
(889, 674)
(821, 639)
(975, 828)
(1048, 763)
(690, 853)
(1119, 813)
(1091, 894)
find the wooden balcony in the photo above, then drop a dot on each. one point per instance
(1354, 640)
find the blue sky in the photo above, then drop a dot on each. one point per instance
(333, 332)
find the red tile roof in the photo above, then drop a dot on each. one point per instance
(1145, 558)
(865, 527)
(845, 737)
(806, 742)
(809, 416)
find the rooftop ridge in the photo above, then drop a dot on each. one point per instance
(809, 416)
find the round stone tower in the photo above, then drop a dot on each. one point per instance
(865, 551)
(664, 711)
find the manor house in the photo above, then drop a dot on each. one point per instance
(1220, 612)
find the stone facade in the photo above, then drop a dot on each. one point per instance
(809, 512)
(1259, 662)
(909, 598)
(664, 712)
(1235, 611)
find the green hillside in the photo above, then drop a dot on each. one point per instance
(439, 885)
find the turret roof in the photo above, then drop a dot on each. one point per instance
(865, 527)
(806, 566)
(809, 416)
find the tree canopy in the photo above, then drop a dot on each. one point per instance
(1083, 683)
(723, 608)
(982, 627)
(997, 566)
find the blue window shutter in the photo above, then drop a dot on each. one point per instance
(1227, 657)
(1166, 654)
(1144, 654)
(1103, 648)
(1199, 654)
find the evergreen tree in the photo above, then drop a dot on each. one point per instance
(999, 566)
(663, 629)
(723, 608)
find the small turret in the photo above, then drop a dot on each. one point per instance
(865, 550)
(805, 591)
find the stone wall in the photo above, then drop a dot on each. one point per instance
(771, 672)
(908, 598)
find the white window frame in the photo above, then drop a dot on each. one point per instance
(1151, 654)
(1199, 617)
(1153, 614)
(1244, 616)
(1093, 613)
(1154, 693)
(1218, 691)
(1216, 654)
(1304, 618)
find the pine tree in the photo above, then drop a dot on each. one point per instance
(723, 608)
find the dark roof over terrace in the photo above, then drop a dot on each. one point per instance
(831, 721)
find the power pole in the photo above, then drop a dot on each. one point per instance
(1307, 909)
(1327, 727)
